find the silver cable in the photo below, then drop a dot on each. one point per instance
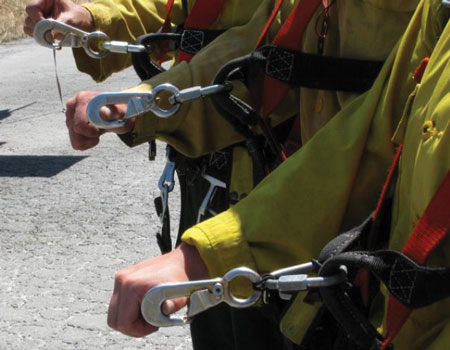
(58, 84)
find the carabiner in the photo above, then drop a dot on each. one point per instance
(138, 103)
(202, 295)
(72, 37)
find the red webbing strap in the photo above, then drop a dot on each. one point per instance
(362, 278)
(388, 182)
(289, 37)
(269, 23)
(432, 228)
(203, 15)
(166, 27)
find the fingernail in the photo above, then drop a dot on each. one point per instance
(168, 307)
(105, 112)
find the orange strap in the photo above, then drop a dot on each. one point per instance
(269, 23)
(166, 27)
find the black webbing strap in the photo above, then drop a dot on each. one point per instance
(163, 237)
(317, 71)
(194, 40)
(414, 285)
(243, 117)
(190, 40)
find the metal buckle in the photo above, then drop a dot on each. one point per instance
(166, 183)
(213, 184)
(202, 295)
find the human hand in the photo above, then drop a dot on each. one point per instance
(65, 11)
(131, 284)
(83, 135)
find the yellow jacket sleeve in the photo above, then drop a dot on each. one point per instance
(328, 186)
(123, 20)
(198, 128)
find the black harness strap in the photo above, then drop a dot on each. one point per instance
(190, 40)
(295, 68)
(317, 71)
(414, 285)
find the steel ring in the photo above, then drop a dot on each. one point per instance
(252, 276)
(160, 112)
(87, 44)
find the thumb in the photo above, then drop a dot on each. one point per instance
(117, 112)
(173, 305)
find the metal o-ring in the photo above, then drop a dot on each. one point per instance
(165, 113)
(253, 277)
(89, 39)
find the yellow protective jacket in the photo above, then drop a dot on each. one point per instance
(125, 20)
(333, 182)
(197, 128)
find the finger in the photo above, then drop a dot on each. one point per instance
(77, 141)
(141, 328)
(82, 127)
(111, 112)
(114, 302)
(171, 306)
(126, 309)
(117, 112)
(28, 26)
(37, 9)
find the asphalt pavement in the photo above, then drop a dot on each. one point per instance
(68, 220)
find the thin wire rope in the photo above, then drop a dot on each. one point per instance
(58, 84)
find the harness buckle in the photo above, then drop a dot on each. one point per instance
(166, 183)
(213, 185)
(202, 294)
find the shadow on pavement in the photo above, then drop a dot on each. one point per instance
(36, 166)
(5, 113)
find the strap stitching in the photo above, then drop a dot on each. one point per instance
(399, 272)
(280, 64)
(192, 41)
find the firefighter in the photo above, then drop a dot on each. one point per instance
(328, 186)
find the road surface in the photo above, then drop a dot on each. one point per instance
(68, 220)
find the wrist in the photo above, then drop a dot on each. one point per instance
(193, 263)
(87, 20)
